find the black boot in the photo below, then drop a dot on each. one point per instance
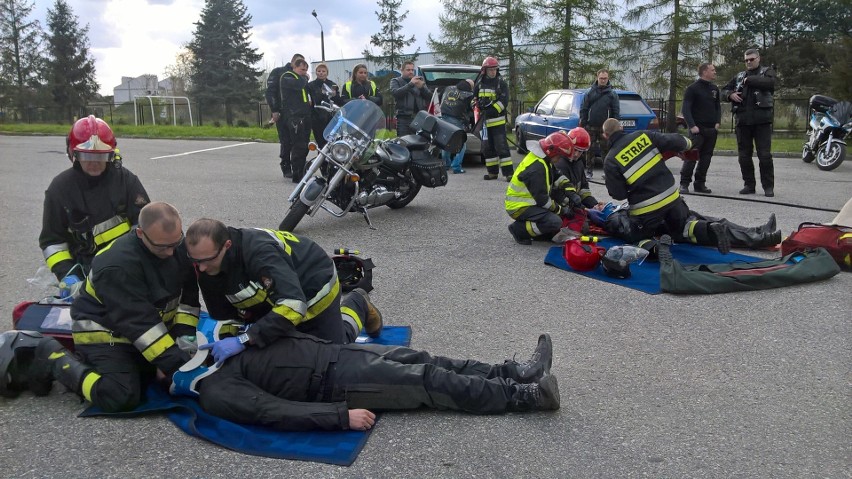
(521, 237)
(753, 237)
(533, 369)
(53, 361)
(723, 241)
(541, 396)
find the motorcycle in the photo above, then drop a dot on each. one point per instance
(829, 125)
(355, 172)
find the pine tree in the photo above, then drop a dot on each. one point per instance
(222, 58)
(21, 54)
(389, 40)
(70, 70)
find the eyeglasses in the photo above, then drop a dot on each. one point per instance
(205, 260)
(749, 60)
(163, 246)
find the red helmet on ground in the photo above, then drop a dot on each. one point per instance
(582, 256)
(490, 62)
(91, 139)
(581, 139)
(557, 144)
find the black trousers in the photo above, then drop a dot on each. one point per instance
(319, 120)
(498, 159)
(335, 326)
(125, 375)
(403, 125)
(536, 223)
(675, 220)
(294, 145)
(750, 137)
(706, 143)
(598, 147)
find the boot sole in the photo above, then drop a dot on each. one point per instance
(549, 388)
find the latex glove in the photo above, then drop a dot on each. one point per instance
(69, 285)
(224, 349)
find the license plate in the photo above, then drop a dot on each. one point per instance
(628, 123)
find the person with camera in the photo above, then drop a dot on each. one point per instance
(411, 95)
(750, 94)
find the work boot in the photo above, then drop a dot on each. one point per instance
(533, 369)
(540, 396)
(373, 324)
(489, 176)
(701, 189)
(769, 192)
(770, 225)
(684, 189)
(723, 241)
(753, 237)
(53, 361)
(748, 190)
(518, 236)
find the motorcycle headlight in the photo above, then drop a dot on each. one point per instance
(341, 152)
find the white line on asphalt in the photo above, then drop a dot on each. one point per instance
(202, 151)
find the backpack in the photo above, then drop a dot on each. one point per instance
(836, 239)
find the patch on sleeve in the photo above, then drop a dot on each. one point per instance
(141, 200)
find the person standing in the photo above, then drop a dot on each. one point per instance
(492, 96)
(702, 111)
(601, 102)
(273, 99)
(751, 96)
(411, 95)
(296, 115)
(322, 90)
(360, 87)
(456, 109)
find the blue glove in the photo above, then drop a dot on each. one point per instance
(66, 286)
(224, 349)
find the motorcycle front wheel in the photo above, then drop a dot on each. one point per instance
(807, 154)
(408, 196)
(295, 214)
(829, 160)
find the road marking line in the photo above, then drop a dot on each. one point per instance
(202, 151)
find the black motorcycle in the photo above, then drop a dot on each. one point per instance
(355, 172)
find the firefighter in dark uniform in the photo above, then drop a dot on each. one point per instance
(296, 114)
(139, 302)
(492, 96)
(276, 282)
(531, 198)
(300, 382)
(635, 171)
(322, 90)
(273, 99)
(572, 174)
(90, 204)
(359, 87)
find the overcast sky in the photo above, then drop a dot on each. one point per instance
(136, 37)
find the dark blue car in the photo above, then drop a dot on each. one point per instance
(560, 110)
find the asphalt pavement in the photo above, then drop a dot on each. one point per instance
(733, 385)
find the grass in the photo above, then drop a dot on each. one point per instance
(781, 142)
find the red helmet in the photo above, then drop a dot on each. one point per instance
(557, 144)
(490, 62)
(581, 139)
(582, 256)
(91, 139)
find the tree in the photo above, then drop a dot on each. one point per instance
(21, 54)
(389, 40)
(70, 70)
(222, 58)
(471, 31)
(180, 72)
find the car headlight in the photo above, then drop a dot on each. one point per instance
(341, 152)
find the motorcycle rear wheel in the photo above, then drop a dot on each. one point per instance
(829, 160)
(807, 154)
(295, 214)
(404, 200)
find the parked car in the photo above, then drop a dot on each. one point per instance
(560, 110)
(440, 76)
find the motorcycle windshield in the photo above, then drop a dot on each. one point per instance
(358, 117)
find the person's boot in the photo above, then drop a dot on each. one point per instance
(769, 191)
(53, 361)
(540, 396)
(489, 176)
(373, 324)
(723, 240)
(700, 188)
(753, 237)
(684, 188)
(770, 225)
(520, 237)
(747, 190)
(534, 368)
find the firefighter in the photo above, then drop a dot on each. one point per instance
(276, 282)
(140, 301)
(635, 171)
(492, 96)
(273, 99)
(296, 114)
(90, 204)
(572, 177)
(531, 198)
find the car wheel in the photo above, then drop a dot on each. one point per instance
(522, 141)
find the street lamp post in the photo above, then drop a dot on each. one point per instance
(322, 37)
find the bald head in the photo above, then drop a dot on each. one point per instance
(161, 214)
(610, 126)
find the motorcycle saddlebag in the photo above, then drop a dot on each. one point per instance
(445, 135)
(836, 239)
(52, 320)
(428, 170)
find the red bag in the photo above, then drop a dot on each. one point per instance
(836, 239)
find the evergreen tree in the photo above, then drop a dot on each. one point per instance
(70, 70)
(389, 40)
(21, 54)
(222, 58)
